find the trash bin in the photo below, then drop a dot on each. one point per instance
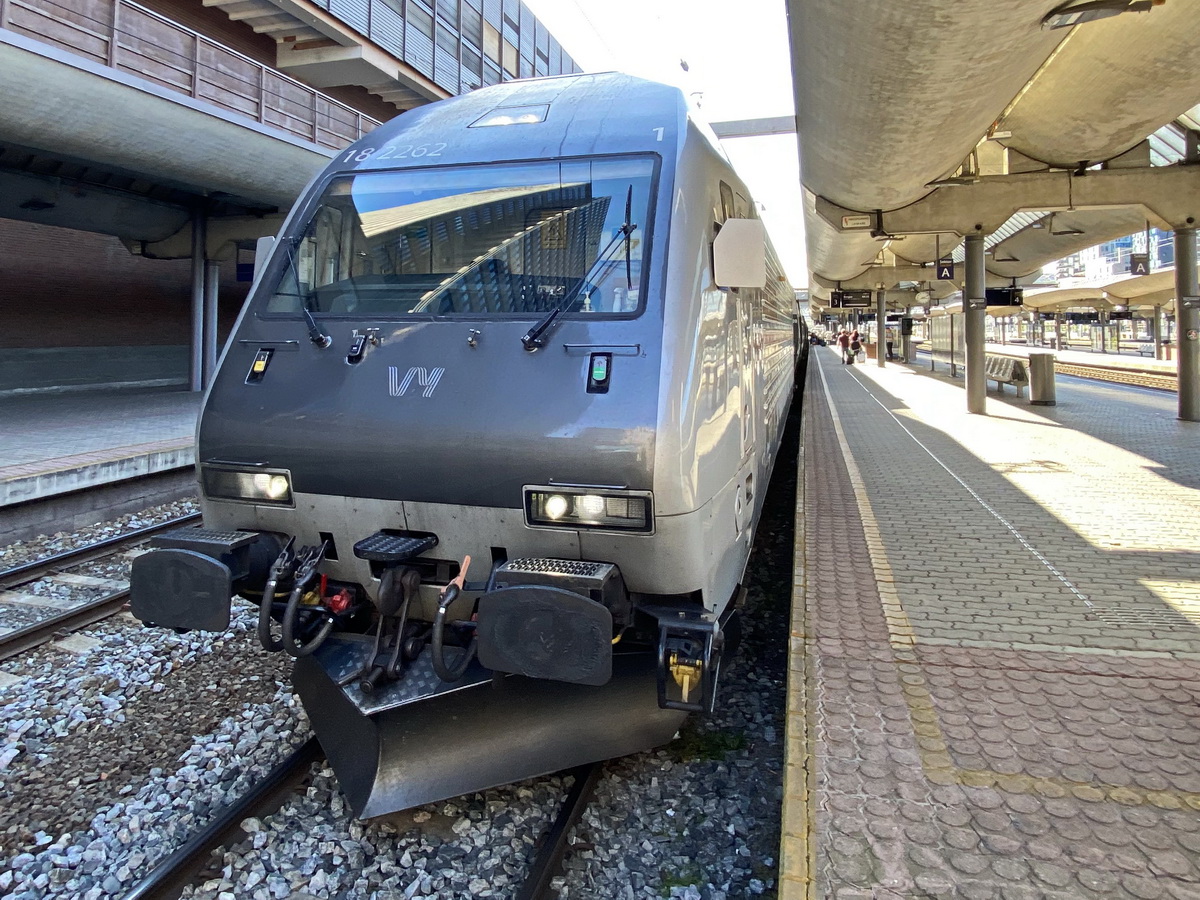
(1041, 378)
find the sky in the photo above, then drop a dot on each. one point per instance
(738, 67)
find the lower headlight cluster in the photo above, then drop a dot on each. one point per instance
(584, 508)
(250, 486)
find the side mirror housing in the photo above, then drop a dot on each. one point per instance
(740, 254)
(262, 252)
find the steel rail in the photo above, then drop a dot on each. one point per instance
(16, 642)
(1147, 378)
(1163, 381)
(549, 858)
(168, 878)
(39, 568)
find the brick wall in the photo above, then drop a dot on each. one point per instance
(65, 288)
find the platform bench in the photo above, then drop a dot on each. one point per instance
(1006, 370)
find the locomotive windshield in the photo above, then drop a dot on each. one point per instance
(501, 240)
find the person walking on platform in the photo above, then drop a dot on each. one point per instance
(855, 344)
(843, 342)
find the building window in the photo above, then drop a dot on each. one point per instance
(510, 59)
(471, 61)
(472, 24)
(420, 19)
(447, 40)
(491, 42)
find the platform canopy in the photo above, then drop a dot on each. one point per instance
(1155, 289)
(983, 105)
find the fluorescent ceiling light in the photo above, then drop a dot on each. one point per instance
(956, 181)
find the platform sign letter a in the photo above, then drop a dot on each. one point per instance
(1139, 263)
(945, 270)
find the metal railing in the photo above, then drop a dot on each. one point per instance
(130, 38)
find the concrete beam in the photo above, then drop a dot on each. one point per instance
(221, 237)
(47, 201)
(56, 99)
(1169, 197)
(736, 128)
(363, 64)
(890, 276)
(307, 18)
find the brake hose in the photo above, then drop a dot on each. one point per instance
(264, 616)
(290, 645)
(437, 649)
(283, 563)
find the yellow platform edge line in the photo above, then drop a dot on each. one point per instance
(797, 825)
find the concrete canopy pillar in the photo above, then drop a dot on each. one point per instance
(196, 357)
(1187, 324)
(1157, 324)
(974, 317)
(212, 284)
(880, 326)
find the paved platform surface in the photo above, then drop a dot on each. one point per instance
(995, 687)
(51, 444)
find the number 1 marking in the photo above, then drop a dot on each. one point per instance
(658, 132)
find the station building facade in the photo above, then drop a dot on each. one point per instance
(88, 301)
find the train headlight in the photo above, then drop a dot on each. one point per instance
(556, 506)
(589, 508)
(247, 485)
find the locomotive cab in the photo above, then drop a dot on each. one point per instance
(482, 450)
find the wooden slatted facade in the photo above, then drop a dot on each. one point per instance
(132, 38)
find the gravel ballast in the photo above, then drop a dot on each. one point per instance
(114, 756)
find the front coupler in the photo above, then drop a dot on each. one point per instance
(690, 646)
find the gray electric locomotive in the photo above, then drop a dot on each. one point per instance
(489, 441)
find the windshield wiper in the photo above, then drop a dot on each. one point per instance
(315, 334)
(534, 337)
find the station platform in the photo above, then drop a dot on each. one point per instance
(60, 444)
(995, 671)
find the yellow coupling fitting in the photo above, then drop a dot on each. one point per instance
(686, 673)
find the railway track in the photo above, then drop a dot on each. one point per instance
(167, 880)
(86, 613)
(1162, 381)
(1156, 380)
